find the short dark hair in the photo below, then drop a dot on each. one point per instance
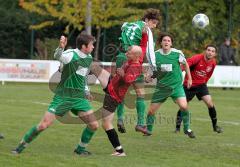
(211, 45)
(162, 35)
(84, 39)
(151, 13)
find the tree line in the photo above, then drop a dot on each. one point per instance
(30, 29)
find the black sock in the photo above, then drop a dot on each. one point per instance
(178, 120)
(113, 138)
(213, 116)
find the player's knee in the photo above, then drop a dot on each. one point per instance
(151, 111)
(209, 104)
(183, 107)
(94, 126)
(106, 125)
(43, 126)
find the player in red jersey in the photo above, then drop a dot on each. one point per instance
(116, 88)
(201, 67)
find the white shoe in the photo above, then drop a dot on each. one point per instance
(119, 154)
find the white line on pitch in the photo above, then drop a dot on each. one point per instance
(225, 122)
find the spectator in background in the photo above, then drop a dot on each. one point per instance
(41, 50)
(226, 53)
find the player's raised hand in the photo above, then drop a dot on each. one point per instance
(63, 42)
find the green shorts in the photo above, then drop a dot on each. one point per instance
(161, 94)
(60, 106)
(121, 59)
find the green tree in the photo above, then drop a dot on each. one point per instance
(13, 30)
(104, 13)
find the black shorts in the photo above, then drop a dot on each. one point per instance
(109, 103)
(199, 91)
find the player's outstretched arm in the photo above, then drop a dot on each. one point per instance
(61, 47)
(188, 73)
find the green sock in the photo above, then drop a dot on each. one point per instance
(31, 134)
(120, 111)
(85, 139)
(28, 138)
(150, 122)
(140, 106)
(186, 120)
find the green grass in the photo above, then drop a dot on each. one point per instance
(22, 105)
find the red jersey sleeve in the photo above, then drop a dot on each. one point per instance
(143, 45)
(194, 60)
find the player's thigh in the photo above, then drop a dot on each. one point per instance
(207, 99)
(108, 109)
(139, 88)
(107, 119)
(190, 93)
(202, 91)
(179, 97)
(47, 120)
(81, 106)
(59, 106)
(153, 108)
(161, 94)
(178, 93)
(89, 118)
(182, 103)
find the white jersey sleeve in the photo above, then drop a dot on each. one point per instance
(63, 56)
(182, 58)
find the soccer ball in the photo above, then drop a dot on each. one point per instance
(200, 20)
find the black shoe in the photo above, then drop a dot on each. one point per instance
(121, 127)
(82, 153)
(217, 129)
(1, 136)
(190, 133)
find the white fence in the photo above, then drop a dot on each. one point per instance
(41, 71)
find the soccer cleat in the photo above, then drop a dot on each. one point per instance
(82, 153)
(118, 154)
(217, 129)
(190, 133)
(19, 149)
(147, 134)
(1, 136)
(141, 128)
(121, 127)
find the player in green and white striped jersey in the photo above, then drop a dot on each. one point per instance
(132, 35)
(70, 93)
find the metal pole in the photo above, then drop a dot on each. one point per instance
(32, 44)
(230, 19)
(89, 17)
(166, 19)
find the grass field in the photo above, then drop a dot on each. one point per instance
(22, 105)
